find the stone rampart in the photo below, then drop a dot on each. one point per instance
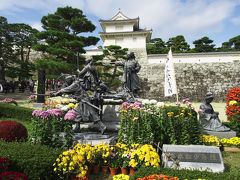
(194, 79)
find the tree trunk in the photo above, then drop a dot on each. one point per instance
(41, 86)
(2, 71)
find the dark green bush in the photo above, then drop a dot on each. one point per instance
(234, 125)
(185, 174)
(12, 111)
(35, 161)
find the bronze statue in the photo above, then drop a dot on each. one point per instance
(130, 78)
(86, 110)
(208, 117)
(89, 75)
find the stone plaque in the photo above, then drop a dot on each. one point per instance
(198, 157)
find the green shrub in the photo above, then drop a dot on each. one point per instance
(185, 174)
(35, 161)
(234, 125)
(12, 111)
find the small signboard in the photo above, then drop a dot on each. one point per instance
(198, 157)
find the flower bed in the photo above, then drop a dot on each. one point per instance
(48, 127)
(9, 101)
(121, 177)
(77, 160)
(63, 103)
(215, 141)
(233, 104)
(158, 177)
(13, 175)
(12, 131)
(4, 164)
(153, 122)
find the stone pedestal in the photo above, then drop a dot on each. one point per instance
(226, 134)
(38, 105)
(93, 138)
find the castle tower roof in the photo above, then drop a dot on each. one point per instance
(119, 18)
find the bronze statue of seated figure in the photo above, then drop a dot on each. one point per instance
(208, 117)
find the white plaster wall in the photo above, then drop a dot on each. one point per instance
(197, 58)
(125, 27)
(127, 41)
(93, 52)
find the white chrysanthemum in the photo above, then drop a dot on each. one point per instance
(160, 104)
(153, 101)
(59, 106)
(65, 108)
(145, 101)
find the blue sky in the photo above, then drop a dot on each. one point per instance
(217, 19)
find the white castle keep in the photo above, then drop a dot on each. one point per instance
(125, 32)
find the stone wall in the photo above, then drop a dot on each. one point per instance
(193, 79)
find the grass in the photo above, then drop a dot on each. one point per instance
(231, 161)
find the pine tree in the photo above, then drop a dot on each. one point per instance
(61, 41)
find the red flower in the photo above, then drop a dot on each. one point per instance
(12, 175)
(233, 112)
(4, 163)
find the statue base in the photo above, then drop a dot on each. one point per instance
(38, 105)
(111, 126)
(221, 134)
(93, 138)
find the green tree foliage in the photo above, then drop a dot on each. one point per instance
(16, 41)
(24, 37)
(232, 45)
(178, 44)
(204, 45)
(7, 55)
(61, 40)
(110, 73)
(156, 46)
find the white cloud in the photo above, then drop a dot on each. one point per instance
(167, 18)
(41, 5)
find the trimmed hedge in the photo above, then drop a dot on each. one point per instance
(185, 174)
(12, 111)
(36, 161)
